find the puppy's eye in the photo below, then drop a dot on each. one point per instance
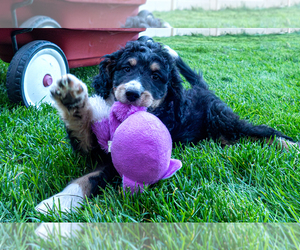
(126, 69)
(155, 77)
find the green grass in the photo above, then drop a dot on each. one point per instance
(258, 76)
(288, 17)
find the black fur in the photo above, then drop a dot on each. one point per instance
(103, 81)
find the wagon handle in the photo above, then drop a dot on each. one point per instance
(14, 39)
(16, 6)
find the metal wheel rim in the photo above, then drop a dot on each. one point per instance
(45, 62)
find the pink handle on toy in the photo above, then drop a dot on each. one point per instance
(173, 167)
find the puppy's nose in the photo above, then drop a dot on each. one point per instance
(132, 95)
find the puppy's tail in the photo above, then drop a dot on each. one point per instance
(194, 78)
(224, 123)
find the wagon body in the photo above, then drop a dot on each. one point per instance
(82, 14)
(82, 47)
(74, 33)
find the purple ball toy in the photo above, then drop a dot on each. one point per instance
(140, 145)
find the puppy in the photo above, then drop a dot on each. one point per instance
(144, 73)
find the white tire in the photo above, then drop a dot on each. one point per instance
(32, 70)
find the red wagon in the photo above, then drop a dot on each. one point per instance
(89, 30)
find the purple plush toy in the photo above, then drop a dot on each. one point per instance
(140, 145)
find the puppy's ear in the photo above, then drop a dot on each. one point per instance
(102, 83)
(175, 85)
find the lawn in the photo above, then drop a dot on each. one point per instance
(288, 17)
(258, 76)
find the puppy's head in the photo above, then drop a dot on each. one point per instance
(140, 74)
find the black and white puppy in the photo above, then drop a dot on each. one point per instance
(145, 73)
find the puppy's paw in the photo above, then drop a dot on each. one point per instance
(69, 199)
(69, 91)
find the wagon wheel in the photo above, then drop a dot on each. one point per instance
(32, 70)
(40, 22)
